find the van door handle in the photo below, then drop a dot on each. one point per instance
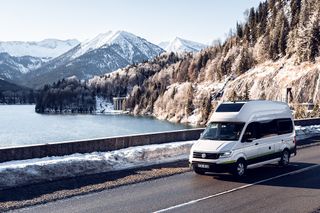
(257, 144)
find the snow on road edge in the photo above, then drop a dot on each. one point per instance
(18, 173)
(305, 132)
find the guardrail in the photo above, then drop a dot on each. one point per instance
(108, 144)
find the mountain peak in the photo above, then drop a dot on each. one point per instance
(182, 45)
(122, 38)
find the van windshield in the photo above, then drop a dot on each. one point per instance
(225, 131)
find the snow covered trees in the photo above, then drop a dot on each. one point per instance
(69, 95)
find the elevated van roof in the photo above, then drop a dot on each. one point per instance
(250, 111)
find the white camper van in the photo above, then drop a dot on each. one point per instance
(243, 135)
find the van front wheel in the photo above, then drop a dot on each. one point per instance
(198, 171)
(240, 168)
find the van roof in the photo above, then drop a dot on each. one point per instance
(245, 111)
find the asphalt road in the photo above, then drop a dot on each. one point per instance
(266, 189)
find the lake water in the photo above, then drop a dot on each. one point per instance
(20, 125)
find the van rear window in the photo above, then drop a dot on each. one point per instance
(236, 107)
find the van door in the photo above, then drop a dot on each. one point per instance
(250, 143)
(268, 140)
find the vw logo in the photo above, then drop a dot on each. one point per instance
(203, 155)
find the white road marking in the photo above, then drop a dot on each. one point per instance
(236, 189)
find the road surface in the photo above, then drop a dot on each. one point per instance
(266, 189)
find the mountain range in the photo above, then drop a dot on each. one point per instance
(105, 53)
(34, 64)
(48, 48)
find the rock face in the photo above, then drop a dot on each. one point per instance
(270, 80)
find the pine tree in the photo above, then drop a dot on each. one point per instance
(314, 39)
(295, 6)
(239, 30)
(283, 35)
(263, 11)
(252, 26)
(233, 96)
(246, 95)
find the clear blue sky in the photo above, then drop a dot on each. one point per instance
(155, 20)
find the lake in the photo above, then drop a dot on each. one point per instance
(20, 125)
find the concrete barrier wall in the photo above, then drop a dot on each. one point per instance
(108, 144)
(96, 145)
(307, 122)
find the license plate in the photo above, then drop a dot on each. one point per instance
(203, 166)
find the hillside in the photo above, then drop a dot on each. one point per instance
(5, 85)
(276, 48)
(14, 94)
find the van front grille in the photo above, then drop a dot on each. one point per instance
(203, 155)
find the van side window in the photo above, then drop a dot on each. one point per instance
(251, 132)
(268, 128)
(284, 126)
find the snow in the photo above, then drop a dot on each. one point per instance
(17, 173)
(48, 48)
(179, 45)
(127, 41)
(304, 132)
(103, 106)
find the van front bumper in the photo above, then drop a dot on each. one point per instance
(212, 167)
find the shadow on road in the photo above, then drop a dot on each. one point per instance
(308, 179)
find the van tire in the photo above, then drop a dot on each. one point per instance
(285, 158)
(198, 171)
(240, 168)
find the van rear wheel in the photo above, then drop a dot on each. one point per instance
(285, 158)
(240, 168)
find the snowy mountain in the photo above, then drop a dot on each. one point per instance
(48, 48)
(128, 45)
(104, 53)
(15, 68)
(179, 45)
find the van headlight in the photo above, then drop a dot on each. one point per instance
(226, 154)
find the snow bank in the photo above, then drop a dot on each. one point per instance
(17, 173)
(304, 132)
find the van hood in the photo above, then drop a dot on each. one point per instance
(213, 145)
